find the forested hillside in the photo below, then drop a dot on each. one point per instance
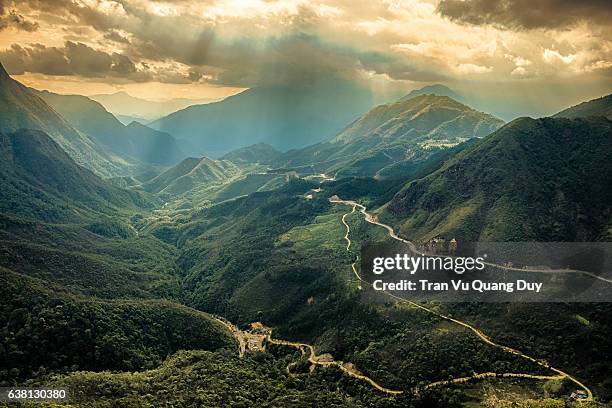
(40, 181)
(531, 180)
(20, 108)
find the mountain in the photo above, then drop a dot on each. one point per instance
(261, 153)
(40, 181)
(153, 146)
(135, 140)
(122, 103)
(530, 180)
(388, 134)
(189, 173)
(427, 117)
(284, 117)
(126, 119)
(21, 108)
(436, 89)
(596, 107)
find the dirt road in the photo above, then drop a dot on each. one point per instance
(479, 333)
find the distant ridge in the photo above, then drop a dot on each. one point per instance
(135, 140)
(284, 117)
(595, 107)
(123, 104)
(407, 130)
(261, 153)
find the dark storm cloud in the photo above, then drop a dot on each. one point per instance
(72, 59)
(398, 69)
(527, 14)
(81, 60)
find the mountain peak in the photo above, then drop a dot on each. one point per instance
(427, 116)
(135, 124)
(435, 89)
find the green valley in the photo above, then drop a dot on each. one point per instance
(156, 281)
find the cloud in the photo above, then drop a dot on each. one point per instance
(72, 59)
(519, 71)
(270, 42)
(115, 36)
(527, 14)
(81, 60)
(13, 19)
(599, 65)
(553, 56)
(467, 69)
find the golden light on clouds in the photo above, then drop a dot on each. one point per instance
(195, 48)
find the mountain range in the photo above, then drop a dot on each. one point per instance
(126, 105)
(21, 108)
(134, 140)
(107, 290)
(380, 140)
(283, 117)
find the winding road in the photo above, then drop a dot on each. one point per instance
(349, 368)
(479, 333)
(348, 229)
(313, 359)
(373, 220)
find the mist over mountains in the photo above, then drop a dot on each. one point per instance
(284, 117)
(134, 140)
(378, 142)
(126, 105)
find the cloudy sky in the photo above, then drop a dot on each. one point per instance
(545, 51)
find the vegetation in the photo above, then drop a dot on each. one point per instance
(392, 139)
(190, 173)
(531, 180)
(134, 141)
(39, 181)
(596, 107)
(48, 329)
(21, 108)
(260, 153)
(105, 290)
